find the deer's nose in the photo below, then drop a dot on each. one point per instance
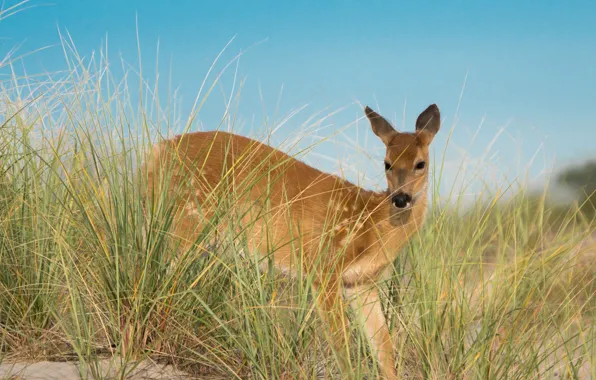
(401, 200)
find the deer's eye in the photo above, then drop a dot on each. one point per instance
(420, 165)
(387, 166)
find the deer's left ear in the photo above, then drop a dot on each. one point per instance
(429, 121)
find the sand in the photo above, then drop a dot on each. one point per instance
(71, 371)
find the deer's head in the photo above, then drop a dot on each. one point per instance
(406, 159)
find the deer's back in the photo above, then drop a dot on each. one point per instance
(215, 165)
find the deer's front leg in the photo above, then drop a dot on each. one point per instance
(366, 304)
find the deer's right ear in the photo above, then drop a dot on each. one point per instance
(380, 126)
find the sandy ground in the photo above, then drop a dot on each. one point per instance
(70, 371)
(145, 371)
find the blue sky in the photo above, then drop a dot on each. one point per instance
(529, 67)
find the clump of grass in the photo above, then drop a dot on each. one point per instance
(88, 269)
(498, 292)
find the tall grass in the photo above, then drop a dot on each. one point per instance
(503, 289)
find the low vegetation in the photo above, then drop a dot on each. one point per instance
(497, 289)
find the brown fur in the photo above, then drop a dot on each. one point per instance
(298, 212)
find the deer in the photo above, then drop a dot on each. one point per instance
(305, 221)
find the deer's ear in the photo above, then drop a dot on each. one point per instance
(380, 126)
(429, 121)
